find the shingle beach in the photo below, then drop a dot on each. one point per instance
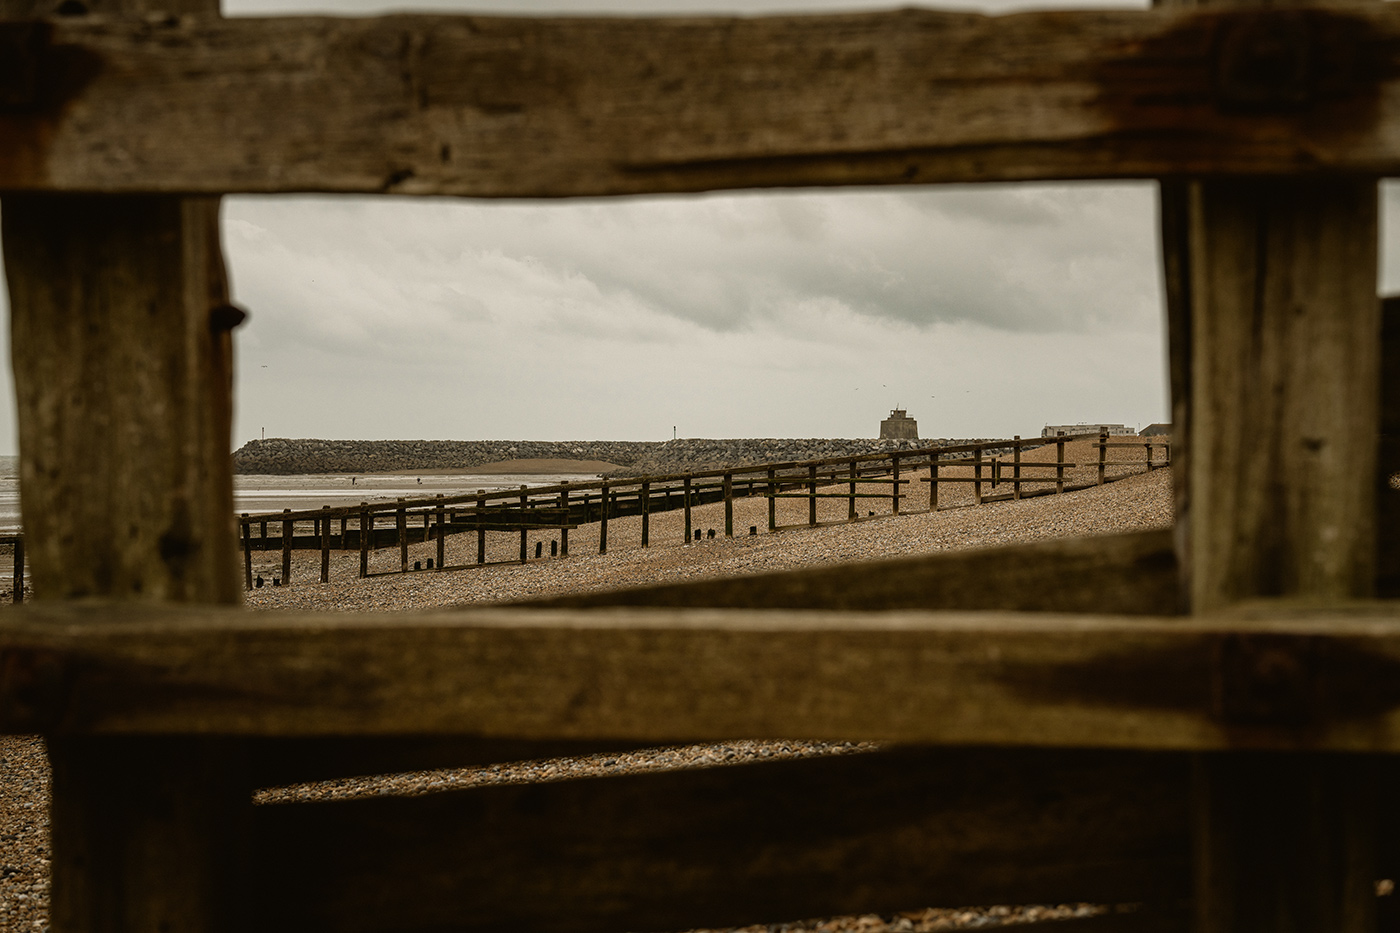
(1137, 501)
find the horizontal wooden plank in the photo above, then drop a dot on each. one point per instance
(1132, 574)
(1282, 678)
(495, 106)
(773, 842)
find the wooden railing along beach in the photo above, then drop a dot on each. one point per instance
(372, 526)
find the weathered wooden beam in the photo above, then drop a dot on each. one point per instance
(496, 107)
(772, 842)
(1133, 574)
(1285, 379)
(122, 357)
(1304, 679)
(1275, 365)
(89, 280)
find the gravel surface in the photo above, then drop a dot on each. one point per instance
(1137, 502)
(24, 834)
(1140, 501)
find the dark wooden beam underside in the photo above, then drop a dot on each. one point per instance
(772, 842)
(1129, 574)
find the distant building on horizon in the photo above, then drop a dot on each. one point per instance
(1156, 430)
(899, 427)
(1085, 428)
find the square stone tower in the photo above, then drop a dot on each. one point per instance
(899, 426)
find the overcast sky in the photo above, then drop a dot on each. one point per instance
(984, 312)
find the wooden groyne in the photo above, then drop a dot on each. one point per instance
(998, 473)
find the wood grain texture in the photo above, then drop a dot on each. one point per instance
(123, 370)
(1133, 574)
(496, 107)
(1285, 380)
(1304, 679)
(122, 388)
(745, 844)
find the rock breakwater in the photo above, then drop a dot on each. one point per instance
(279, 455)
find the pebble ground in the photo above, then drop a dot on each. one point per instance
(1138, 501)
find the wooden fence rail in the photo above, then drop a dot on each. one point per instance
(565, 506)
(1211, 804)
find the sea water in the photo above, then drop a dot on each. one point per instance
(259, 493)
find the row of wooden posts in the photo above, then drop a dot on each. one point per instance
(566, 506)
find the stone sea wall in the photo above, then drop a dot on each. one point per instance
(278, 455)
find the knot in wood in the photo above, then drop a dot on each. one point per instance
(1266, 680)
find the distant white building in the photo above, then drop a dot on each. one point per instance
(1084, 428)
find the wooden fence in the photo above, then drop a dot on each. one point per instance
(1221, 767)
(368, 527)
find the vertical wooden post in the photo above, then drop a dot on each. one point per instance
(603, 521)
(288, 531)
(1059, 462)
(524, 532)
(17, 591)
(933, 481)
(247, 528)
(812, 494)
(772, 501)
(441, 533)
(263, 533)
(1016, 468)
(1285, 841)
(851, 501)
(1285, 376)
(977, 476)
(1103, 452)
(366, 537)
(1279, 332)
(401, 525)
(344, 520)
(687, 510)
(564, 532)
(1148, 447)
(481, 532)
(122, 359)
(729, 505)
(894, 495)
(646, 514)
(325, 547)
